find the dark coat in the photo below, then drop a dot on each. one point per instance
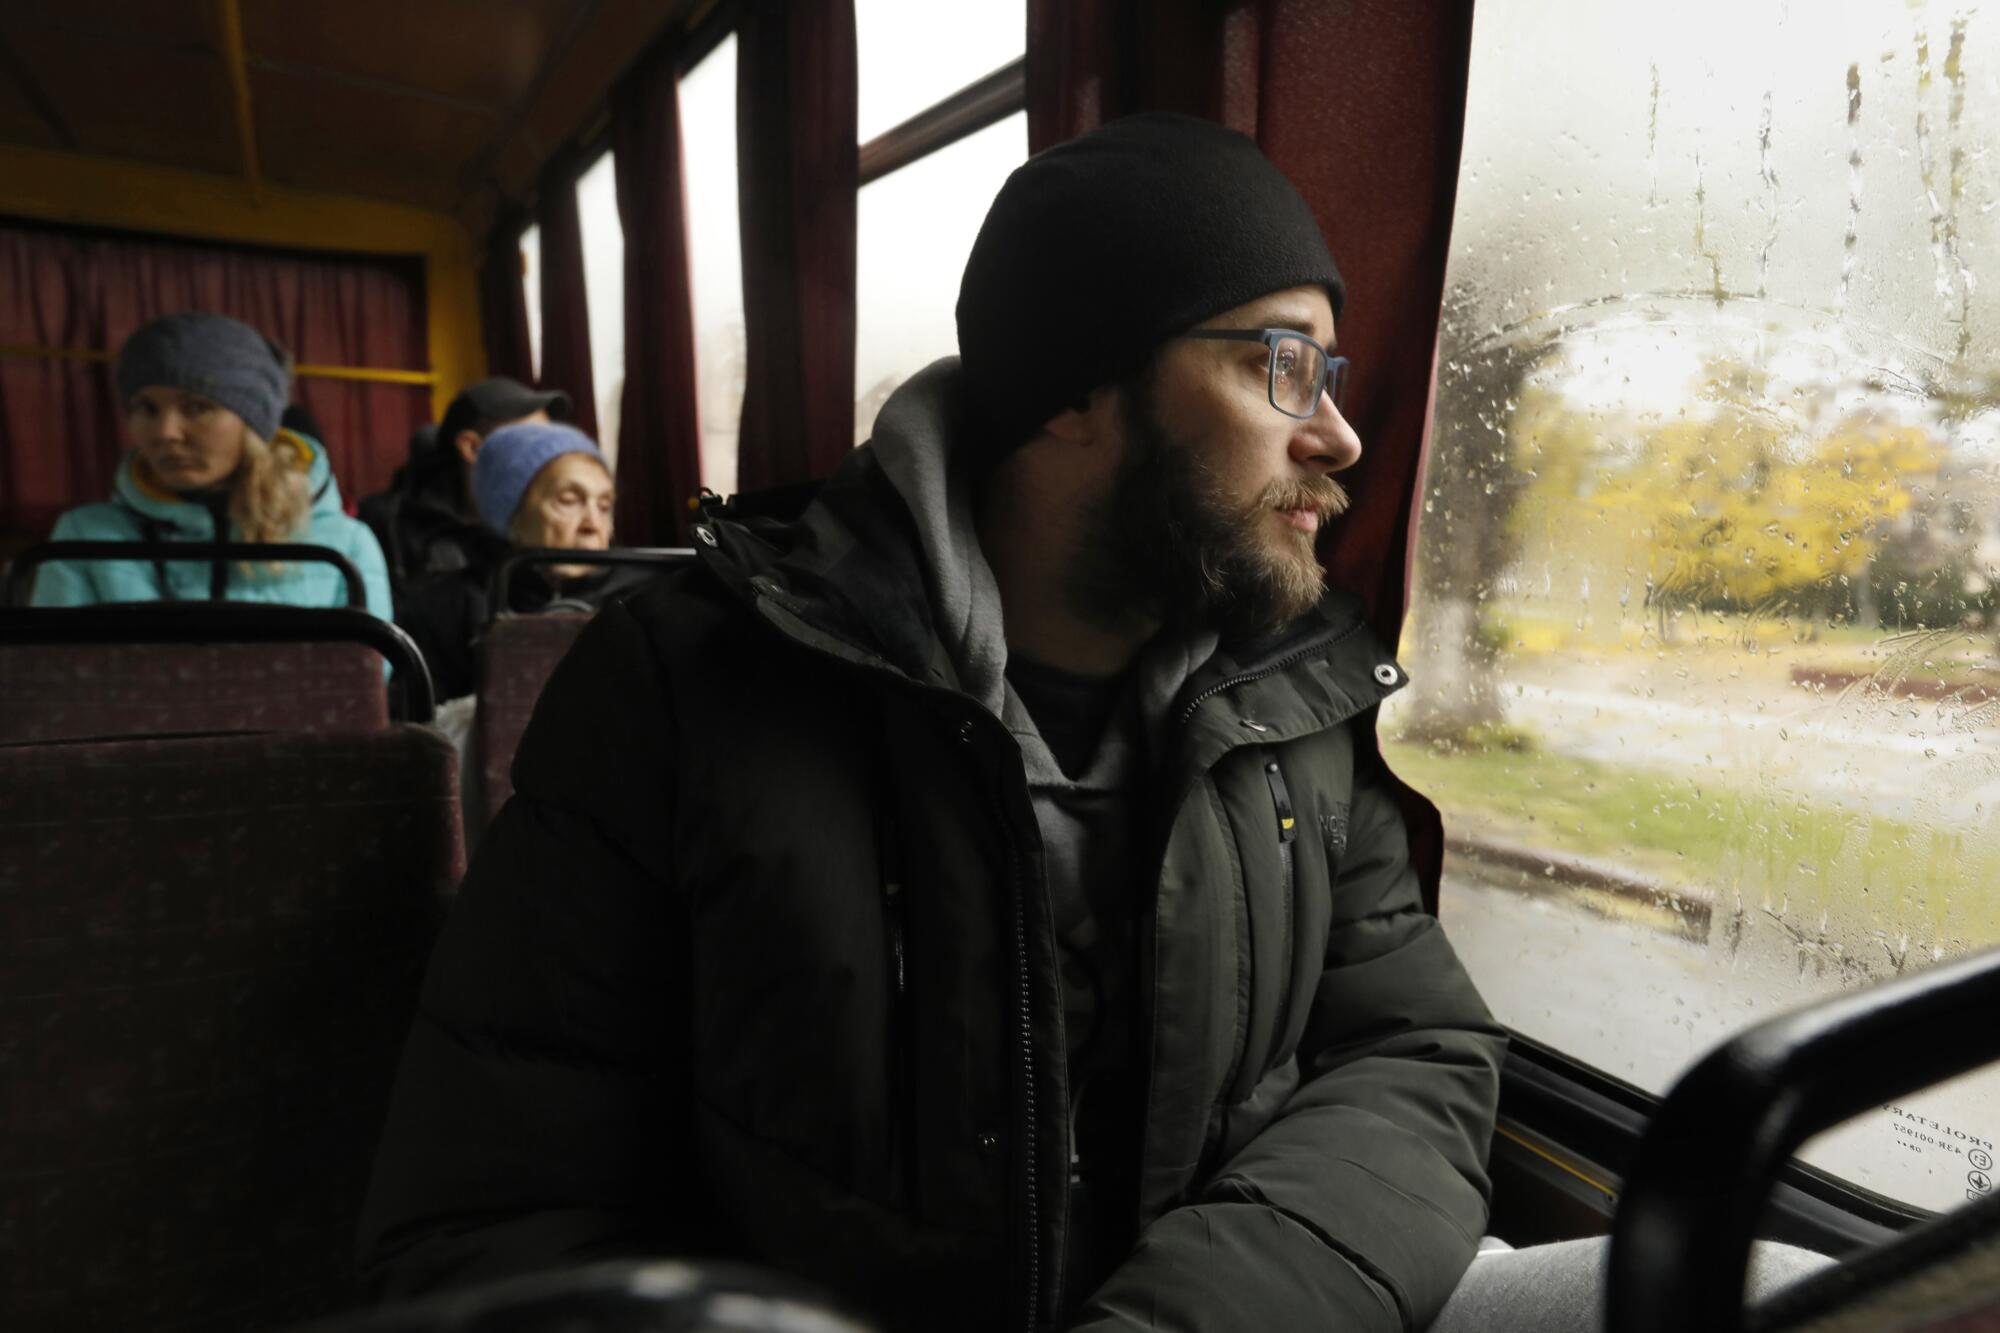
(678, 1007)
(446, 614)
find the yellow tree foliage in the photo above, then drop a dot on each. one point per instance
(1732, 504)
(1739, 509)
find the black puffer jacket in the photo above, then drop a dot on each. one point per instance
(678, 1009)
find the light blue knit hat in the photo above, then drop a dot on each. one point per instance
(510, 458)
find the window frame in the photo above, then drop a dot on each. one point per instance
(983, 102)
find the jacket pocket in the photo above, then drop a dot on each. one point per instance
(1288, 836)
(897, 1040)
(1253, 1064)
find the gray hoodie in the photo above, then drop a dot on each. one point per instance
(1096, 850)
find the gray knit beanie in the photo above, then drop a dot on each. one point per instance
(222, 359)
(1099, 249)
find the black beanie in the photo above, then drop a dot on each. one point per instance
(1099, 249)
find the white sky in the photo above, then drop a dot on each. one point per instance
(915, 227)
(604, 288)
(715, 255)
(913, 53)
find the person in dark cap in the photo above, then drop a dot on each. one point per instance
(212, 460)
(981, 896)
(537, 484)
(426, 520)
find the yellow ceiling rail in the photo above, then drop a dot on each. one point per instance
(229, 15)
(362, 374)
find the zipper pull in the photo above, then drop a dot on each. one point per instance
(1288, 827)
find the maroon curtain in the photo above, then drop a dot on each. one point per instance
(795, 126)
(659, 434)
(503, 299)
(1363, 105)
(61, 425)
(565, 307)
(1090, 61)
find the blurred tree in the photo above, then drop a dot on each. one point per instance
(1465, 536)
(1742, 513)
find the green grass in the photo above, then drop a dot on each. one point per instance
(1799, 859)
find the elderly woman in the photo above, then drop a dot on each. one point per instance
(203, 395)
(536, 484)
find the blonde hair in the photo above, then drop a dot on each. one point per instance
(269, 499)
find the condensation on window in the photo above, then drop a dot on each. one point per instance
(913, 231)
(1705, 636)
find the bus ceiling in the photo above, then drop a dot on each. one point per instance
(359, 125)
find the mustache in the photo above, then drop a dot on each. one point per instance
(1323, 495)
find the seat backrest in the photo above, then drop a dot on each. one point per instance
(516, 658)
(210, 949)
(74, 691)
(149, 669)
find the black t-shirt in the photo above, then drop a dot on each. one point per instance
(1069, 710)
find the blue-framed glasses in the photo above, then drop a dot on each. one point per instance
(1300, 368)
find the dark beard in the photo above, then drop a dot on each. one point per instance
(1164, 546)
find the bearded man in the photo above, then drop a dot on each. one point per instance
(982, 896)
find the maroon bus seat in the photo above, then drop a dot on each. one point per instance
(516, 658)
(150, 669)
(74, 691)
(210, 950)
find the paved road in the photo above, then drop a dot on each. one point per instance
(1643, 1004)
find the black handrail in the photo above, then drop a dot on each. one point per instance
(229, 622)
(1698, 1182)
(19, 578)
(503, 577)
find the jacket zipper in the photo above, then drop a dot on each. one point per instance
(1268, 669)
(1026, 1119)
(1025, 1131)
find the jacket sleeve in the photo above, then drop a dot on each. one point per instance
(62, 582)
(542, 1078)
(1361, 1203)
(367, 555)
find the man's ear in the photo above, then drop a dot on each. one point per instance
(1087, 420)
(467, 442)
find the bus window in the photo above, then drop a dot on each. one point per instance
(915, 223)
(913, 231)
(531, 285)
(910, 54)
(715, 257)
(1703, 628)
(604, 293)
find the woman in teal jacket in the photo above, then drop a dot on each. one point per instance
(203, 394)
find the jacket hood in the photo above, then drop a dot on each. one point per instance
(884, 568)
(173, 509)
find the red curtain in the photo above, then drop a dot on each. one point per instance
(1362, 104)
(1090, 61)
(659, 435)
(61, 425)
(503, 300)
(565, 307)
(795, 124)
